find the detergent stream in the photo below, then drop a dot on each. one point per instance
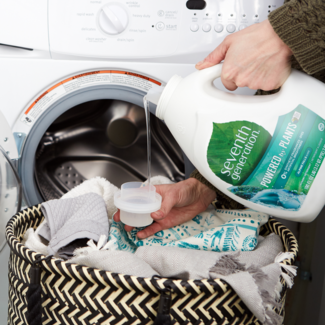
(147, 112)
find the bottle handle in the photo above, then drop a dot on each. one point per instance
(208, 75)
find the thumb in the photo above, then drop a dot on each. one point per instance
(214, 57)
(168, 202)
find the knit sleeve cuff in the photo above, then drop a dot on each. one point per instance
(299, 25)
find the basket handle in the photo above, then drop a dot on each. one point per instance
(34, 293)
(165, 303)
(163, 315)
(34, 297)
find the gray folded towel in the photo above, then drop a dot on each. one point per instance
(67, 220)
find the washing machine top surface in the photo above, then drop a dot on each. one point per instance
(169, 31)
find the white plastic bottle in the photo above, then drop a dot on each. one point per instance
(265, 152)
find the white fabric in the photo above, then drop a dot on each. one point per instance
(247, 289)
(159, 180)
(33, 241)
(99, 186)
(178, 262)
(173, 261)
(113, 261)
(106, 190)
(268, 248)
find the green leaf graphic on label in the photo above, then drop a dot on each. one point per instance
(235, 149)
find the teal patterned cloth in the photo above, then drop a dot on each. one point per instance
(212, 230)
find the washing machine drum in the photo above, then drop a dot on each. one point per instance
(90, 132)
(104, 138)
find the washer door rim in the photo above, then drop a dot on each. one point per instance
(86, 94)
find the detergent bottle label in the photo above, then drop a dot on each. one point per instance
(275, 171)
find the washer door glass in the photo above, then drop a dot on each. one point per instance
(10, 193)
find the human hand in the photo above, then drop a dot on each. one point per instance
(181, 202)
(254, 57)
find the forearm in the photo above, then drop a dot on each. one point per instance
(300, 25)
(223, 200)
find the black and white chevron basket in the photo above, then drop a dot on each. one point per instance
(76, 294)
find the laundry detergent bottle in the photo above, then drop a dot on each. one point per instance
(266, 152)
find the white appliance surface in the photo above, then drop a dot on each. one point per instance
(27, 79)
(152, 31)
(51, 48)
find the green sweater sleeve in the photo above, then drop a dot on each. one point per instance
(222, 200)
(301, 25)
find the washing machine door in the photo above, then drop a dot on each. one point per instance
(10, 184)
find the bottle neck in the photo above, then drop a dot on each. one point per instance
(166, 96)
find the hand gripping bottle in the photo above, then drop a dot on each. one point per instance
(265, 152)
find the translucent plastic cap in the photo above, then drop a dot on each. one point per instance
(136, 202)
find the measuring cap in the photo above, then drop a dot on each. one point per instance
(136, 202)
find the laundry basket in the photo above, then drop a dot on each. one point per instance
(76, 294)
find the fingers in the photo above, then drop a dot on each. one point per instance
(214, 57)
(169, 200)
(254, 57)
(176, 195)
(117, 217)
(228, 83)
(128, 228)
(149, 231)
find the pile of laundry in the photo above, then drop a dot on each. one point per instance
(221, 244)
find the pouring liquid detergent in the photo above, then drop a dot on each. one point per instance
(136, 201)
(265, 152)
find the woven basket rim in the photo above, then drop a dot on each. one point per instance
(31, 256)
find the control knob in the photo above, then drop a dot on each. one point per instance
(113, 19)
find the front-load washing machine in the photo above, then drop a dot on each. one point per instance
(72, 79)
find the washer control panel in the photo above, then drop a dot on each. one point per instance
(139, 29)
(113, 19)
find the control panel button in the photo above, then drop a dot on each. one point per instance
(195, 27)
(160, 13)
(113, 19)
(206, 27)
(218, 28)
(195, 4)
(242, 26)
(231, 28)
(160, 26)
